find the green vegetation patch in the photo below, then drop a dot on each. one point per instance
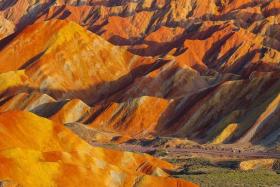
(235, 178)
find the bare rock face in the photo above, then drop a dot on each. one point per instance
(205, 70)
(257, 164)
(193, 67)
(50, 152)
(88, 66)
(6, 27)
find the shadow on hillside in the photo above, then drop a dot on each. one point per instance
(180, 111)
(95, 93)
(4, 4)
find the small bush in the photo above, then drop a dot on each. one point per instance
(276, 166)
(160, 153)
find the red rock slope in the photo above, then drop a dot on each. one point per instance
(185, 68)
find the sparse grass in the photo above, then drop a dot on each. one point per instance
(111, 146)
(205, 170)
(198, 161)
(189, 161)
(206, 173)
(160, 153)
(235, 178)
(276, 166)
(173, 161)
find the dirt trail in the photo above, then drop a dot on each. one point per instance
(197, 151)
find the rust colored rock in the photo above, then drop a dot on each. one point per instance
(49, 152)
(204, 70)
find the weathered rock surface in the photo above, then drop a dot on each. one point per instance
(221, 74)
(257, 164)
(50, 155)
(206, 70)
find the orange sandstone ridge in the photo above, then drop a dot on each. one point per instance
(116, 91)
(85, 61)
(205, 70)
(50, 155)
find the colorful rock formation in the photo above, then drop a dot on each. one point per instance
(205, 70)
(201, 68)
(37, 152)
